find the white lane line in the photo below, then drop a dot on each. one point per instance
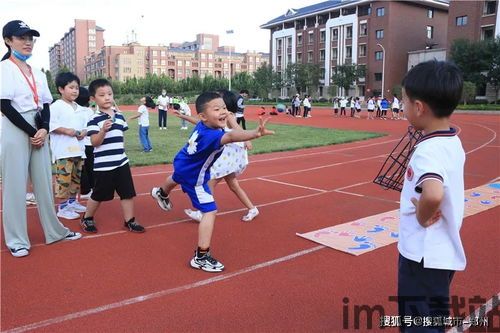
(290, 184)
(162, 293)
(484, 144)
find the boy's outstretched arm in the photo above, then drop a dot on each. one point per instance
(239, 135)
(191, 119)
(427, 208)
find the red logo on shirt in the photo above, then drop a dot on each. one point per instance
(409, 173)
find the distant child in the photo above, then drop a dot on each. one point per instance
(352, 106)
(307, 106)
(274, 111)
(432, 199)
(147, 104)
(357, 105)
(240, 114)
(296, 104)
(384, 105)
(67, 145)
(192, 170)
(111, 167)
(87, 179)
(262, 111)
(336, 107)
(185, 110)
(343, 105)
(371, 107)
(395, 107)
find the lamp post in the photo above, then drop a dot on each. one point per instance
(383, 68)
(229, 32)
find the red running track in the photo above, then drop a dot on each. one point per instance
(274, 281)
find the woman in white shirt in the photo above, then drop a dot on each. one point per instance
(25, 99)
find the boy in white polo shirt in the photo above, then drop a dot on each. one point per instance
(432, 199)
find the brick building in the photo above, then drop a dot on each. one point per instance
(201, 57)
(82, 39)
(336, 32)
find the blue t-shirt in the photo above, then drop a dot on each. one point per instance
(192, 163)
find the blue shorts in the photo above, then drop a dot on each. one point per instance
(201, 197)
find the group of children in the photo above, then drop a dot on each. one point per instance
(377, 105)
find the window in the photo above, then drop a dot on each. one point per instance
(461, 20)
(364, 10)
(299, 39)
(311, 38)
(334, 53)
(362, 50)
(179, 62)
(309, 56)
(210, 56)
(363, 29)
(379, 55)
(335, 34)
(378, 76)
(349, 11)
(490, 7)
(430, 32)
(380, 11)
(379, 34)
(348, 52)
(487, 32)
(348, 32)
(299, 57)
(155, 53)
(163, 62)
(188, 63)
(322, 55)
(155, 62)
(430, 13)
(162, 53)
(322, 36)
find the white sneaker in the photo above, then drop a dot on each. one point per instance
(252, 213)
(30, 199)
(68, 213)
(77, 207)
(85, 196)
(194, 214)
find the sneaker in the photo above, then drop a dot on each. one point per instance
(194, 214)
(77, 207)
(67, 213)
(252, 213)
(30, 199)
(163, 202)
(133, 226)
(20, 252)
(73, 236)
(88, 225)
(206, 263)
(85, 196)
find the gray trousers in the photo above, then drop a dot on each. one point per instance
(19, 160)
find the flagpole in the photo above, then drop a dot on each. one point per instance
(230, 69)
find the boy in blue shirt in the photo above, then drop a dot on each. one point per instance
(192, 170)
(432, 199)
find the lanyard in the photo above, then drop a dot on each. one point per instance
(31, 85)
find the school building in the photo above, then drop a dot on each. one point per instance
(82, 39)
(200, 58)
(83, 52)
(376, 34)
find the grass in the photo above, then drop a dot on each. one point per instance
(288, 137)
(480, 107)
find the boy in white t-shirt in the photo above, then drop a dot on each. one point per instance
(432, 199)
(147, 103)
(66, 142)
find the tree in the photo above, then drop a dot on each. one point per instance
(470, 57)
(304, 77)
(266, 80)
(51, 82)
(468, 92)
(493, 71)
(344, 76)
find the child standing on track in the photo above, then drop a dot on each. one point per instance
(111, 167)
(432, 199)
(192, 170)
(68, 150)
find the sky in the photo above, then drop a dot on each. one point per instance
(154, 21)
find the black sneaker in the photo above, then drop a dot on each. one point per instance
(88, 225)
(163, 202)
(206, 263)
(133, 226)
(73, 236)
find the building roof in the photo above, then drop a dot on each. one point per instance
(324, 6)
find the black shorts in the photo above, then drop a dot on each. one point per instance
(107, 182)
(395, 110)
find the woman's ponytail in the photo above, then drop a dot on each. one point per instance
(6, 55)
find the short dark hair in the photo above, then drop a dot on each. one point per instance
(230, 99)
(63, 79)
(205, 98)
(150, 103)
(437, 83)
(98, 83)
(244, 91)
(83, 97)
